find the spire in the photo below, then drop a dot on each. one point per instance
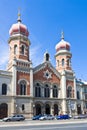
(62, 35)
(19, 16)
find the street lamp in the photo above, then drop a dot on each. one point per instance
(16, 108)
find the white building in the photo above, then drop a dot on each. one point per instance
(42, 89)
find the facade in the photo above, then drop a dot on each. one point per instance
(43, 89)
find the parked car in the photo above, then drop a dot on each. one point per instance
(36, 117)
(61, 117)
(14, 118)
(47, 117)
(81, 116)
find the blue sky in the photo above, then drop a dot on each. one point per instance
(45, 19)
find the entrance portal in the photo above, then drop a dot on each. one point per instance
(79, 109)
(38, 109)
(56, 111)
(3, 110)
(47, 109)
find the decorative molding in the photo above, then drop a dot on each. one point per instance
(22, 80)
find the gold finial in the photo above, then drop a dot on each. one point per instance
(62, 35)
(19, 16)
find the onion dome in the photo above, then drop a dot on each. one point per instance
(18, 28)
(62, 45)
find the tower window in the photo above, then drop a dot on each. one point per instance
(15, 49)
(58, 62)
(22, 49)
(47, 57)
(68, 62)
(63, 62)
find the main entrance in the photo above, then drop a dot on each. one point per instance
(38, 109)
(47, 109)
(56, 110)
(3, 110)
(79, 109)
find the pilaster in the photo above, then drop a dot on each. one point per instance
(75, 93)
(63, 89)
(31, 80)
(14, 71)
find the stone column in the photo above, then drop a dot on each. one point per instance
(52, 109)
(31, 80)
(42, 91)
(63, 89)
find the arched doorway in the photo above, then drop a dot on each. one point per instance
(79, 109)
(3, 110)
(38, 109)
(56, 111)
(47, 109)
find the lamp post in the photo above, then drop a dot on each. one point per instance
(33, 109)
(16, 108)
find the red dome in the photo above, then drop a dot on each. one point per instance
(19, 28)
(62, 45)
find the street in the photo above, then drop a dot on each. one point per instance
(45, 125)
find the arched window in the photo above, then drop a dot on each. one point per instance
(47, 57)
(55, 91)
(68, 62)
(58, 63)
(69, 92)
(63, 62)
(47, 109)
(22, 88)
(56, 110)
(46, 91)
(15, 49)
(23, 107)
(38, 109)
(37, 90)
(4, 89)
(22, 49)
